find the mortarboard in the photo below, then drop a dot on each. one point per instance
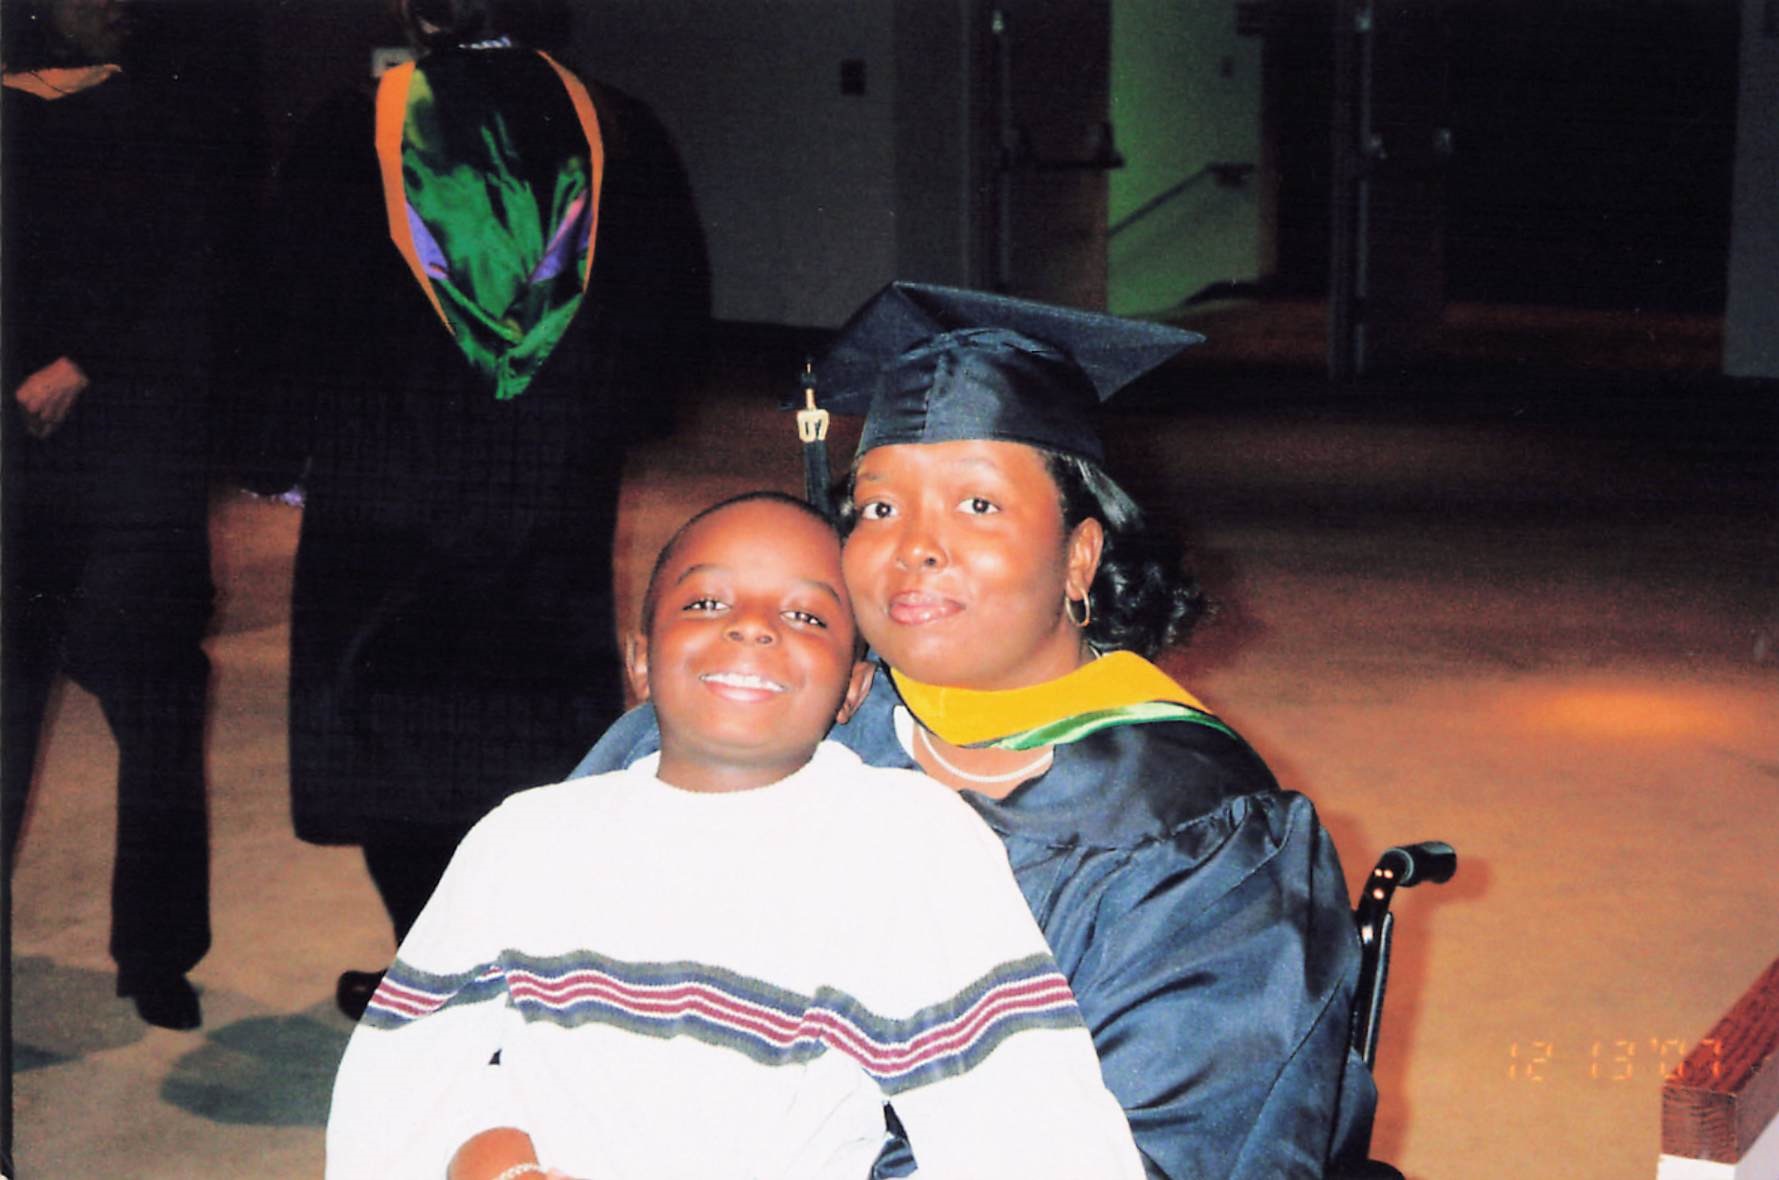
(930, 364)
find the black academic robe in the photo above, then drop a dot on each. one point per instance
(1202, 919)
(452, 637)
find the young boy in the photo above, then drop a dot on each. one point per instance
(722, 963)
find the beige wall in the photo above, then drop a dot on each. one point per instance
(795, 182)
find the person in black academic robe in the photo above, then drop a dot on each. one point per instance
(452, 635)
(106, 552)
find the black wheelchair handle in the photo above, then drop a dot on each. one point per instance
(1429, 860)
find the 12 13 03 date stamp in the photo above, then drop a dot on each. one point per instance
(1610, 1060)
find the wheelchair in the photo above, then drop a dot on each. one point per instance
(1402, 867)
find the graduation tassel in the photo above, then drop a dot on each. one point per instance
(812, 428)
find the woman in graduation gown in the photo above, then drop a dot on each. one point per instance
(1013, 593)
(468, 313)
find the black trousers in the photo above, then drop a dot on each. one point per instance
(406, 865)
(107, 580)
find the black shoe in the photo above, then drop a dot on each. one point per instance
(165, 1001)
(353, 992)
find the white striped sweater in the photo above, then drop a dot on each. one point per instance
(709, 986)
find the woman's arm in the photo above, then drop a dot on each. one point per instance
(1217, 982)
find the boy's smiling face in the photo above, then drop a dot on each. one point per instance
(748, 653)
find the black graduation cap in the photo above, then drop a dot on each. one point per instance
(930, 364)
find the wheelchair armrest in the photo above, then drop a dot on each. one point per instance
(1404, 866)
(1430, 860)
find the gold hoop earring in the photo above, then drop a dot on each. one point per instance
(1068, 608)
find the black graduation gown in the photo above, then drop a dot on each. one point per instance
(452, 632)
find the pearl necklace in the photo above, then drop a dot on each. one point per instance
(1042, 761)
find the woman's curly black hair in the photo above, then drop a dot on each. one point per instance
(1143, 599)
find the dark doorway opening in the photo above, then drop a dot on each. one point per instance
(1592, 149)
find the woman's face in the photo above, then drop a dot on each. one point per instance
(959, 564)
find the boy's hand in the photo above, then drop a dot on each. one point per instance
(492, 1152)
(47, 395)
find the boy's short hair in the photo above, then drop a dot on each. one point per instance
(649, 596)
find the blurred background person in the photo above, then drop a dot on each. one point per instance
(467, 332)
(106, 553)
